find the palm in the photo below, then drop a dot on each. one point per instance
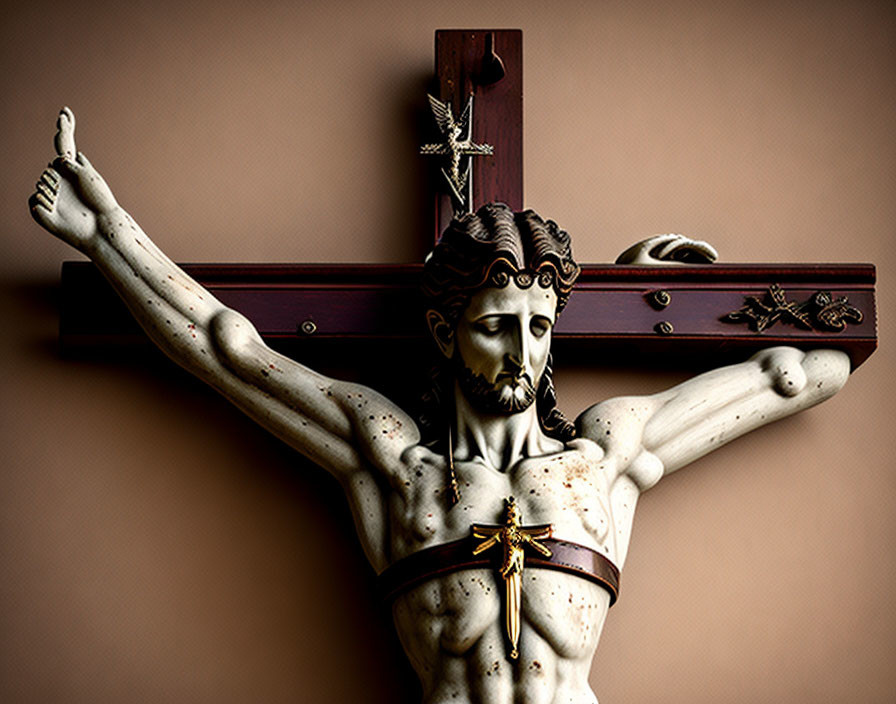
(62, 212)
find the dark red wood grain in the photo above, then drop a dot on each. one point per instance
(497, 113)
(608, 317)
(609, 314)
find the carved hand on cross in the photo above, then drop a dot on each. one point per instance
(71, 194)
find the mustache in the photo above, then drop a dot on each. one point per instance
(517, 375)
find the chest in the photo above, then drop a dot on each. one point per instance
(560, 614)
(570, 490)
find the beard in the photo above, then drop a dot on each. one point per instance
(507, 395)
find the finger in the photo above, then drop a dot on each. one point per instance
(33, 203)
(44, 189)
(66, 165)
(65, 133)
(663, 245)
(81, 159)
(645, 251)
(40, 200)
(50, 180)
(704, 248)
(660, 240)
(51, 177)
(682, 245)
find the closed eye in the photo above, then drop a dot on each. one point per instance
(491, 325)
(540, 326)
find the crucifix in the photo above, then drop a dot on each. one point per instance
(492, 457)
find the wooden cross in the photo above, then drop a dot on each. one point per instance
(691, 313)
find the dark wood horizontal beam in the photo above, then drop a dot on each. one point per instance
(614, 310)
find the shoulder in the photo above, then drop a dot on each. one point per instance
(617, 420)
(383, 431)
(617, 426)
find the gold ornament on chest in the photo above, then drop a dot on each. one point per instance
(513, 538)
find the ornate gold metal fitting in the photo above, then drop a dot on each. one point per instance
(820, 312)
(659, 299)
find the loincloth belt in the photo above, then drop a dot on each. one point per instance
(437, 561)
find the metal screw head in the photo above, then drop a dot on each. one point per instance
(308, 327)
(660, 299)
(664, 328)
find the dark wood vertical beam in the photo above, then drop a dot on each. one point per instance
(497, 112)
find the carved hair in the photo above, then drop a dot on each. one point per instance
(488, 248)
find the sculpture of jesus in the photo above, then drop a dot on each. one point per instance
(495, 459)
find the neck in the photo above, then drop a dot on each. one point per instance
(498, 440)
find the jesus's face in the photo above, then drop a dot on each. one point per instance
(502, 344)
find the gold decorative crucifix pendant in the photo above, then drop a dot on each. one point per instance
(514, 538)
(458, 144)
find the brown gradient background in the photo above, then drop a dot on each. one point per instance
(157, 547)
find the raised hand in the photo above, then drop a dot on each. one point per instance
(70, 194)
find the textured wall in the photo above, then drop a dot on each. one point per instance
(157, 547)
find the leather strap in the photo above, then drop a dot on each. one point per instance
(439, 560)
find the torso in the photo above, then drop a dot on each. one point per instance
(452, 626)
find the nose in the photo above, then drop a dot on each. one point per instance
(517, 358)
(514, 365)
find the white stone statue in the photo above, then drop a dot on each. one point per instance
(496, 454)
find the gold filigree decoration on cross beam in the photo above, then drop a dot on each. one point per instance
(820, 312)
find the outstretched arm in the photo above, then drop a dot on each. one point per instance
(318, 416)
(661, 433)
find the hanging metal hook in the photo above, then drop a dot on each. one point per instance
(492, 68)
